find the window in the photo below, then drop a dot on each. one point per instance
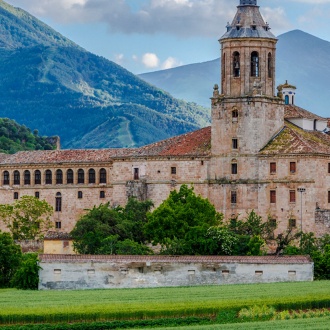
(255, 64)
(59, 177)
(329, 196)
(81, 176)
(58, 224)
(136, 174)
(286, 99)
(27, 177)
(270, 65)
(37, 194)
(234, 168)
(329, 168)
(91, 176)
(272, 168)
(102, 194)
(293, 167)
(103, 175)
(5, 178)
(69, 177)
(235, 144)
(58, 202)
(37, 177)
(17, 178)
(273, 223)
(292, 223)
(292, 196)
(234, 114)
(233, 197)
(236, 64)
(80, 194)
(273, 196)
(173, 170)
(49, 179)
(15, 195)
(223, 67)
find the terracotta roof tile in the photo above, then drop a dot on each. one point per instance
(177, 259)
(294, 140)
(292, 111)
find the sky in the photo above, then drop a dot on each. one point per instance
(151, 35)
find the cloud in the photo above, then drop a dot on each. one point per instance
(119, 58)
(150, 60)
(170, 63)
(277, 18)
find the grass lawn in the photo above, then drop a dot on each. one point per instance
(93, 305)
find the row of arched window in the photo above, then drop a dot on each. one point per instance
(60, 177)
(255, 64)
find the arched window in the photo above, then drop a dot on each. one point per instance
(27, 177)
(17, 178)
(270, 65)
(48, 175)
(103, 175)
(286, 99)
(37, 177)
(58, 202)
(315, 124)
(234, 166)
(69, 177)
(236, 64)
(223, 67)
(255, 64)
(234, 114)
(91, 176)
(59, 177)
(81, 176)
(6, 178)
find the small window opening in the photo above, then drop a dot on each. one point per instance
(81, 176)
(286, 99)
(102, 194)
(80, 194)
(37, 194)
(58, 224)
(27, 178)
(58, 202)
(255, 64)
(103, 175)
(233, 197)
(292, 196)
(15, 195)
(235, 144)
(49, 179)
(173, 170)
(293, 167)
(17, 179)
(6, 177)
(91, 176)
(69, 177)
(272, 168)
(234, 168)
(37, 177)
(236, 64)
(292, 223)
(273, 196)
(59, 177)
(270, 65)
(136, 174)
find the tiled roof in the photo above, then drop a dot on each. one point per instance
(176, 259)
(294, 140)
(57, 235)
(197, 143)
(292, 111)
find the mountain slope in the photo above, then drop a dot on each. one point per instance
(49, 82)
(302, 59)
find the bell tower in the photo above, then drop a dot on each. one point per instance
(246, 114)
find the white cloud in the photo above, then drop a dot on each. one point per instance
(119, 58)
(150, 60)
(277, 19)
(170, 63)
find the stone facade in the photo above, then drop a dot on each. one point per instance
(107, 272)
(257, 154)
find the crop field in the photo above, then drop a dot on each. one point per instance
(136, 304)
(310, 324)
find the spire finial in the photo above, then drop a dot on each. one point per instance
(248, 3)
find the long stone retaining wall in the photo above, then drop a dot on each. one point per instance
(107, 272)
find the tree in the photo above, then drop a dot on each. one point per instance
(101, 230)
(182, 220)
(28, 218)
(26, 276)
(10, 258)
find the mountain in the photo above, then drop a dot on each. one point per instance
(15, 137)
(49, 82)
(302, 59)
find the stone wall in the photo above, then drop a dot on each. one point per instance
(107, 272)
(322, 221)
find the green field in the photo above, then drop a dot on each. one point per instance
(99, 305)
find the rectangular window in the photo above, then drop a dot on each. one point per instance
(37, 194)
(329, 196)
(235, 144)
(233, 197)
(58, 224)
(233, 168)
(329, 168)
(293, 167)
(273, 196)
(58, 204)
(102, 194)
(80, 194)
(173, 170)
(292, 196)
(15, 195)
(272, 168)
(292, 223)
(136, 174)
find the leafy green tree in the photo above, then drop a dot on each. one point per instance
(26, 276)
(129, 247)
(183, 217)
(10, 258)
(28, 218)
